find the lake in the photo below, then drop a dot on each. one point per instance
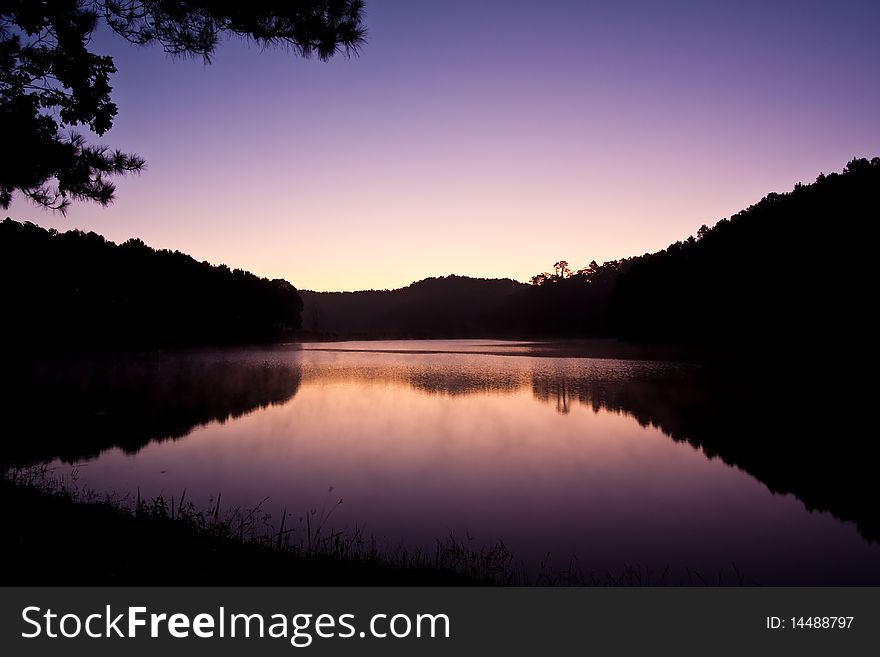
(599, 465)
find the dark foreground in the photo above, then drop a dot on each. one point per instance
(51, 539)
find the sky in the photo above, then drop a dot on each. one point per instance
(486, 138)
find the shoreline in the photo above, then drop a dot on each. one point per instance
(55, 539)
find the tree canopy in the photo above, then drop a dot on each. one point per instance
(51, 83)
(783, 267)
(78, 291)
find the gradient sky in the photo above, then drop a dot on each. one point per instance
(486, 138)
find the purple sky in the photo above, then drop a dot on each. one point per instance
(486, 138)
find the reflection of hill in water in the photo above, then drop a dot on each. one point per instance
(77, 408)
(437, 380)
(776, 429)
(781, 431)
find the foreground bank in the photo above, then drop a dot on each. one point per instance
(52, 538)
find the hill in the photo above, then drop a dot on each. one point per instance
(77, 290)
(784, 269)
(780, 271)
(444, 307)
(792, 266)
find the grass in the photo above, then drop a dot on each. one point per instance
(56, 533)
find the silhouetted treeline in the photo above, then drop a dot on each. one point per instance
(564, 305)
(445, 307)
(77, 290)
(779, 270)
(784, 268)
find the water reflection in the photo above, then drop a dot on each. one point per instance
(76, 407)
(559, 454)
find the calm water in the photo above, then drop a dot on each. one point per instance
(563, 458)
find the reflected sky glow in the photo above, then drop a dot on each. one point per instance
(419, 446)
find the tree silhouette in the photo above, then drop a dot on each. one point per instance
(50, 82)
(561, 269)
(588, 271)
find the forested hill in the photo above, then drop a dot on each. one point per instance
(794, 266)
(444, 307)
(786, 267)
(76, 290)
(779, 272)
